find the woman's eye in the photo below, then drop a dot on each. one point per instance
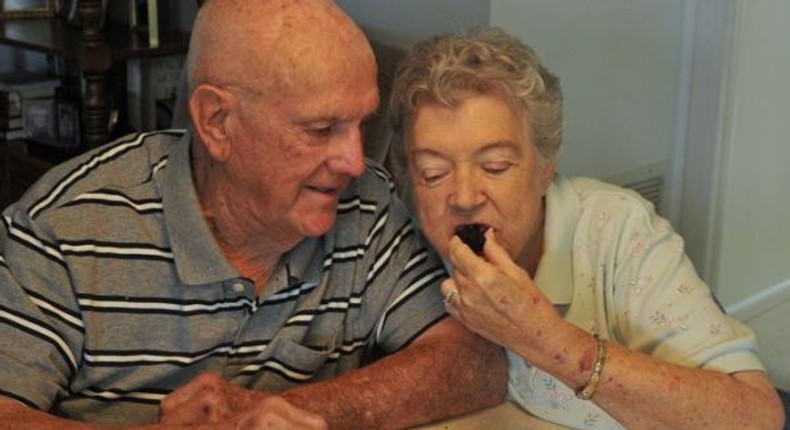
(496, 168)
(430, 177)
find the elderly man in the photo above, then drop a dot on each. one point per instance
(180, 279)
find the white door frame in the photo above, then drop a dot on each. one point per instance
(699, 158)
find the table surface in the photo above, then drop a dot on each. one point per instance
(505, 416)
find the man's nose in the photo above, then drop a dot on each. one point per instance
(348, 157)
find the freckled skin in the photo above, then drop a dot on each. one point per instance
(586, 361)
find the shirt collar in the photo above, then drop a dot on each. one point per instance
(554, 276)
(305, 261)
(197, 255)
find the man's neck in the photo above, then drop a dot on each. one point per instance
(252, 259)
(254, 254)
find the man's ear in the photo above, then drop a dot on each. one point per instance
(209, 107)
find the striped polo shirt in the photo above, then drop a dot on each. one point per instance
(113, 292)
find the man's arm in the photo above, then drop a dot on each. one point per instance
(14, 415)
(273, 412)
(447, 371)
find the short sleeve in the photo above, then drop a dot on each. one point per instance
(664, 309)
(40, 326)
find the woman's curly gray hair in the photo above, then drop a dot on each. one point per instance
(447, 68)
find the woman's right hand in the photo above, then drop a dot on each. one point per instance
(496, 298)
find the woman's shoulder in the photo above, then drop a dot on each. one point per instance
(603, 199)
(605, 207)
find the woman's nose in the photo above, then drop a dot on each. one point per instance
(467, 193)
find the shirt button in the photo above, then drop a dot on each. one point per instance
(238, 287)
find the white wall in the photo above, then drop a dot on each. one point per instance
(752, 252)
(403, 22)
(620, 64)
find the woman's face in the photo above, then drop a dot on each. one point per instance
(475, 163)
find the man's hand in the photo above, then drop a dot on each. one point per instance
(210, 399)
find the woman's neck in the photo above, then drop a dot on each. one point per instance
(530, 256)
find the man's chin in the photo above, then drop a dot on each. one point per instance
(317, 226)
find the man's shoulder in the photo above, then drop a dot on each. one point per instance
(375, 181)
(374, 187)
(126, 162)
(371, 203)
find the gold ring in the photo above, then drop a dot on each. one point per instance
(449, 298)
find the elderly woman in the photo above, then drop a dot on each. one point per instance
(605, 321)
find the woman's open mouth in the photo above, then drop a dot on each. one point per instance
(473, 235)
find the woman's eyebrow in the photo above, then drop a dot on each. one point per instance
(499, 146)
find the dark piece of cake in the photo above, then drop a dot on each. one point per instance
(473, 236)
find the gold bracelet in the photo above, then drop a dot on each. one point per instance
(586, 392)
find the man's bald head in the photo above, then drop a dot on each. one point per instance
(258, 43)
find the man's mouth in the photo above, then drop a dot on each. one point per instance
(328, 189)
(324, 190)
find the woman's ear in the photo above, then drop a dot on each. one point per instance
(549, 169)
(209, 107)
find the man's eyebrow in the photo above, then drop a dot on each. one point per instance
(319, 119)
(331, 118)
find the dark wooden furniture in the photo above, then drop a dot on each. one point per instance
(19, 170)
(96, 51)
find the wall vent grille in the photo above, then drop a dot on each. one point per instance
(649, 181)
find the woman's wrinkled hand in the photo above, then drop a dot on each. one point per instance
(495, 297)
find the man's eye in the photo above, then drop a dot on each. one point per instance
(322, 131)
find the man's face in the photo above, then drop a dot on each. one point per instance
(297, 146)
(474, 163)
